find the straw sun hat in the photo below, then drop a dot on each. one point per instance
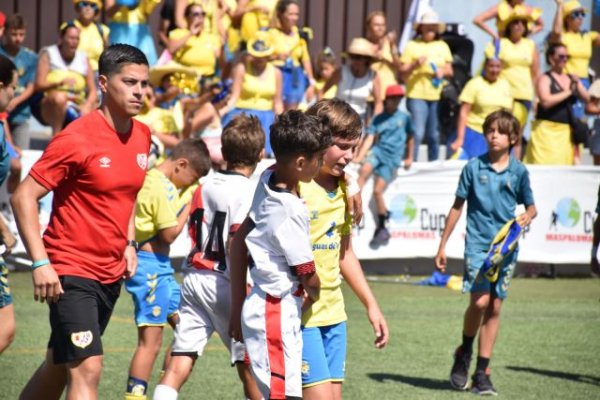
(360, 47)
(430, 17)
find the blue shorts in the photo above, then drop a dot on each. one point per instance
(5, 296)
(323, 354)
(474, 145)
(474, 281)
(155, 292)
(382, 167)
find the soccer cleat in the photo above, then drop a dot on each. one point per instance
(380, 238)
(482, 384)
(459, 375)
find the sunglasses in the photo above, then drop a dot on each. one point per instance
(197, 14)
(577, 14)
(562, 56)
(83, 4)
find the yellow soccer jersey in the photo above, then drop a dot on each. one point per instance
(158, 204)
(579, 46)
(516, 65)
(198, 52)
(329, 222)
(292, 44)
(485, 97)
(419, 85)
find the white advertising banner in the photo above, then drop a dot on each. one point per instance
(420, 199)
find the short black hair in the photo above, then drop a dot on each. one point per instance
(7, 70)
(296, 133)
(196, 152)
(551, 50)
(116, 55)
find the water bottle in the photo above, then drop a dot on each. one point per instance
(435, 81)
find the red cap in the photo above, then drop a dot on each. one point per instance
(394, 90)
(2, 19)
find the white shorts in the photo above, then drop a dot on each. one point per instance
(271, 330)
(204, 309)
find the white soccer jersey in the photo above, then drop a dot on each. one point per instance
(219, 206)
(279, 243)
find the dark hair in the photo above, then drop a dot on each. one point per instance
(551, 50)
(242, 141)
(282, 5)
(15, 21)
(343, 121)
(65, 27)
(115, 56)
(188, 9)
(507, 29)
(196, 152)
(294, 133)
(7, 70)
(508, 124)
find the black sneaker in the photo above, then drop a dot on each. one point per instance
(380, 238)
(459, 375)
(482, 384)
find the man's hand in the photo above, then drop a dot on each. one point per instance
(46, 285)
(380, 327)
(130, 257)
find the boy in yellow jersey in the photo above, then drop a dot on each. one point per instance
(324, 323)
(162, 210)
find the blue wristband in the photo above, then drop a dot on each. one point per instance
(40, 263)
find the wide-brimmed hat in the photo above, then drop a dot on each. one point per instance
(259, 48)
(571, 6)
(518, 13)
(360, 47)
(98, 3)
(430, 17)
(158, 73)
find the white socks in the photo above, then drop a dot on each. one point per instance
(164, 392)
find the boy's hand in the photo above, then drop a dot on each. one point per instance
(524, 220)
(440, 261)
(380, 327)
(307, 302)
(235, 327)
(355, 208)
(408, 163)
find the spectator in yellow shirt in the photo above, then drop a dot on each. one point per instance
(387, 59)
(501, 11)
(93, 35)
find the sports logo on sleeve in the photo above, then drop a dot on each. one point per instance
(82, 339)
(142, 160)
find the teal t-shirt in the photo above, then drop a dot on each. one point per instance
(492, 198)
(26, 63)
(391, 135)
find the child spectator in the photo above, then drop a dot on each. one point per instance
(276, 233)
(389, 138)
(218, 208)
(326, 66)
(162, 210)
(492, 185)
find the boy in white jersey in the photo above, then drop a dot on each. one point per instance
(282, 266)
(324, 323)
(218, 208)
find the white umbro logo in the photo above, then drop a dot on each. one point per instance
(105, 162)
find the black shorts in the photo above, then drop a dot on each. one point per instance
(80, 317)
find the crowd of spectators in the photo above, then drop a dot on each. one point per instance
(218, 58)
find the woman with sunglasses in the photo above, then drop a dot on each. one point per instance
(520, 64)
(501, 11)
(129, 24)
(550, 141)
(568, 29)
(193, 46)
(93, 35)
(425, 63)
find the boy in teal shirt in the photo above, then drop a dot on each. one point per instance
(492, 185)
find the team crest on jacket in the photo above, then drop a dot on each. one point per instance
(142, 160)
(82, 339)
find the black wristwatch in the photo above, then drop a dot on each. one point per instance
(133, 244)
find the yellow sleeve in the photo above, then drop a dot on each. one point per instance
(177, 33)
(593, 35)
(447, 52)
(164, 216)
(105, 31)
(468, 93)
(305, 53)
(407, 54)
